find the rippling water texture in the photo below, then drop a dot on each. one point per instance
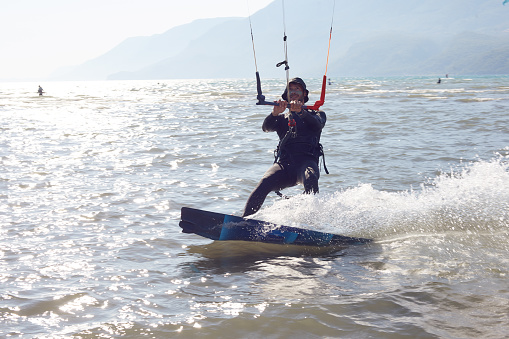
(93, 176)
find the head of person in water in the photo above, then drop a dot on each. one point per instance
(298, 91)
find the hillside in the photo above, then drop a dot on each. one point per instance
(400, 37)
(138, 52)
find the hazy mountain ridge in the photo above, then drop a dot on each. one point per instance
(472, 53)
(370, 38)
(137, 52)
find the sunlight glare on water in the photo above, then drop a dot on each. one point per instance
(93, 176)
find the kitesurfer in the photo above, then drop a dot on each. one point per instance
(296, 158)
(40, 90)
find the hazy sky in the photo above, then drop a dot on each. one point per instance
(38, 36)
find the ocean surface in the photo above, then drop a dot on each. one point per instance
(93, 176)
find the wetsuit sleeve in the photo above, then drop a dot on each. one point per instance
(314, 119)
(271, 123)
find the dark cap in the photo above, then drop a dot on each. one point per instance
(300, 82)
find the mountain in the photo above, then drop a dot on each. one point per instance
(370, 38)
(215, 54)
(472, 53)
(138, 52)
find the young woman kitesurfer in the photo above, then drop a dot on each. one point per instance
(299, 147)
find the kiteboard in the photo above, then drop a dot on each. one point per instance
(217, 226)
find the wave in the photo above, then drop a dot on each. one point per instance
(472, 199)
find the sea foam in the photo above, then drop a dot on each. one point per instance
(473, 197)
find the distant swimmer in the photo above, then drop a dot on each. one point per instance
(40, 90)
(439, 81)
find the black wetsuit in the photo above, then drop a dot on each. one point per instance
(297, 159)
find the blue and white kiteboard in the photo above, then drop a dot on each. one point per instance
(217, 226)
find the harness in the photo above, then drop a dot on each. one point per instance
(293, 138)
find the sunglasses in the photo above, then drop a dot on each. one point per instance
(296, 91)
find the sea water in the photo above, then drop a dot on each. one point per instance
(93, 176)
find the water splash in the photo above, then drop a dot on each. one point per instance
(473, 199)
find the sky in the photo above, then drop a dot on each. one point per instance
(39, 36)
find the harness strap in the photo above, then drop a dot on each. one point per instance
(281, 195)
(323, 158)
(279, 150)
